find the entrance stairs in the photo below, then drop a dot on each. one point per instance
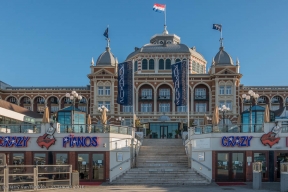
(161, 161)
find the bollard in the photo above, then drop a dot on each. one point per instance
(257, 175)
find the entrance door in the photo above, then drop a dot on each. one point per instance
(91, 166)
(83, 166)
(262, 157)
(163, 132)
(230, 166)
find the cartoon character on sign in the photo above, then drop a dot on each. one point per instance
(48, 138)
(272, 137)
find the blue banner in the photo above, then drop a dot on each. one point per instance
(125, 83)
(179, 76)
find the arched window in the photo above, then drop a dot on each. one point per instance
(135, 66)
(168, 64)
(161, 64)
(151, 64)
(177, 60)
(144, 64)
(197, 68)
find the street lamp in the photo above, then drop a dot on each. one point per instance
(120, 119)
(224, 109)
(73, 97)
(250, 97)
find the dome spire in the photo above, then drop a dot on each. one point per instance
(165, 32)
(92, 62)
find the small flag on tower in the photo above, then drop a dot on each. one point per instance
(106, 33)
(159, 8)
(217, 27)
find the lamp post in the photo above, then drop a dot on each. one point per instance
(250, 97)
(73, 96)
(120, 119)
(224, 109)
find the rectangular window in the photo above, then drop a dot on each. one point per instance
(200, 93)
(54, 108)
(221, 90)
(107, 105)
(82, 108)
(221, 103)
(61, 159)
(146, 93)
(100, 103)
(164, 93)
(228, 90)
(107, 90)
(127, 109)
(229, 104)
(146, 107)
(100, 90)
(182, 108)
(201, 107)
(164, 107)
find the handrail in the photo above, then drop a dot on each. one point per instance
(209, 169)
(120, 164)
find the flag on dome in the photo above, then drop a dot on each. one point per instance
(159, 8)
(217, 27)
(106, 33)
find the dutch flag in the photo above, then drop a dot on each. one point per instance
(159, 8)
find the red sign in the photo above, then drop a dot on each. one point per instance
(48, 138)
(270, 139)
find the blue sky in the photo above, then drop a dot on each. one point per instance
(50, 43)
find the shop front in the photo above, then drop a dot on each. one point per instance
(91, 154)
(229, 156)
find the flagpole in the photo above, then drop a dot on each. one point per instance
(133, 98)
(165, 16)
(187, 79)
(221, 39)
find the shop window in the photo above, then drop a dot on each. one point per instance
(18, 159)
(61, 158)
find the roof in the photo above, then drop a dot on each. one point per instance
(223, 58)
(19, 109)
(106, 58)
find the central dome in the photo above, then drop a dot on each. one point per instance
(107, 59)
(223, 58)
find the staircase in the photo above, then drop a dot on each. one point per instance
(161, 161)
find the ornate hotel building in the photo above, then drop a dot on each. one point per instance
(210, 84)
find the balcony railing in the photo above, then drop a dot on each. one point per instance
(201, 97)
(164, 97)
(146, 97)
(240, 128)
(20, 128)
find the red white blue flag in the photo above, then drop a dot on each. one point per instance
(159, 8)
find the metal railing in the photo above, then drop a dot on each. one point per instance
(236, 128)
(209, 169)
(20, 128)
(34, 177)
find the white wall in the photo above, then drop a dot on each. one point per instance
(207, 162)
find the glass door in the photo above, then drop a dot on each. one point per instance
(223, 163)
(281, 157)
(163, 132)
(83, 166)
(261, 157)
(98, 166)
(237, 166)
(230, 166)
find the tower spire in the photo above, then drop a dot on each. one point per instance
(92, 62)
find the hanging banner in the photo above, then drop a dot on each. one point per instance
(179, 76)
(125, 83)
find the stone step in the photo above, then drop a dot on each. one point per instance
(165, 181)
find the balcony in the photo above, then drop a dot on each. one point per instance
(201, 97)
(146, 98)
(231, 128)
(164, 98)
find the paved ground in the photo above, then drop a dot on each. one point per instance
(195, 188)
